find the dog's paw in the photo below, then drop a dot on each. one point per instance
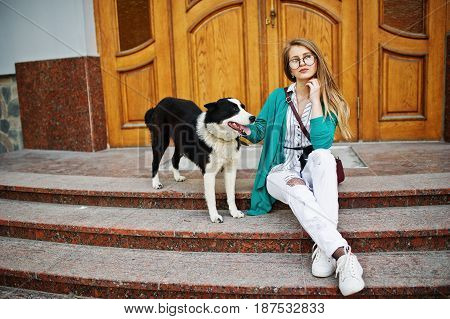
(216, 219)
(157, 185)
(237, 214)
(180, 178)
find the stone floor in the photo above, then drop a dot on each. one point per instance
(17, 293)
(359, 159)
(406, 166)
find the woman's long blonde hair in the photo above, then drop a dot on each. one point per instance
(331, 96)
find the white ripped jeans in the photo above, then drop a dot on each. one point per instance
(315, 204)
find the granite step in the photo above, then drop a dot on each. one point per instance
(107, 272)
(18, 293)
(366, 229)
(355, 192)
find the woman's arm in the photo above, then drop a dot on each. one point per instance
(322, 131)
(255, 132)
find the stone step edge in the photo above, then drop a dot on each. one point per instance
(301, 234)
(378, 186)
(53, 279)
(219, 195)
(275, 243)
(408, 228)
(90, 287)
(161, 223)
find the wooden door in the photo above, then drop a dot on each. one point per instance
(217, 51)
(402, 56)
(386, 55)
(135, 50)
(331, 24)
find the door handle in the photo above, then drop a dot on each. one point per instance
(273, 14)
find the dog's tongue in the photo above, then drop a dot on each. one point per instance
(236, 126)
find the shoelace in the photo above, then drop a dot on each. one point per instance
(342, 266)
(315, 252)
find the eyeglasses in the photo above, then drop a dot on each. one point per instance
(309, 60)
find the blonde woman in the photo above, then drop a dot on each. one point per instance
(299, 170)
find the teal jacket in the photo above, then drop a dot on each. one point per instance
(270, 125)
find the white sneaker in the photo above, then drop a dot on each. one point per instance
(350, 273)
(322, 266)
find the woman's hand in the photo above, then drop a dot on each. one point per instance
(314, 90)
(246, 130)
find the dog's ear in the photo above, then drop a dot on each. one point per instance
(210, 105)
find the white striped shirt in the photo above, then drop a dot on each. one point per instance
(294, 134)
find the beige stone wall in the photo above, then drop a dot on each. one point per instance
(10, 126)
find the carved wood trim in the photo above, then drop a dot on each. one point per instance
(403, 33)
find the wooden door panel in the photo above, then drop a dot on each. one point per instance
(138, 88)
(217, 56)
(134, 78)
(298, 19)
(332, 25)
(402, 52)
(402, 79)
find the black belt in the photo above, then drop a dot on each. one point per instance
(295, 148)
(304, 157)
(299, 148)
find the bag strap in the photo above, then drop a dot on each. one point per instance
(297, 116)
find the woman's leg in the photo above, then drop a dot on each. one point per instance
(320, 175)
(289, 188)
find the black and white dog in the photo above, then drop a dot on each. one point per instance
(209, 139)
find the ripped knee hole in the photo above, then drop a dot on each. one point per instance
(295, 181)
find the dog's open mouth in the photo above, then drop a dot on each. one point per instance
(236, 126)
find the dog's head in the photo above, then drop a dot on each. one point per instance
(229, 114)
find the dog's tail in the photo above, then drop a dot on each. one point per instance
(149, 116)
